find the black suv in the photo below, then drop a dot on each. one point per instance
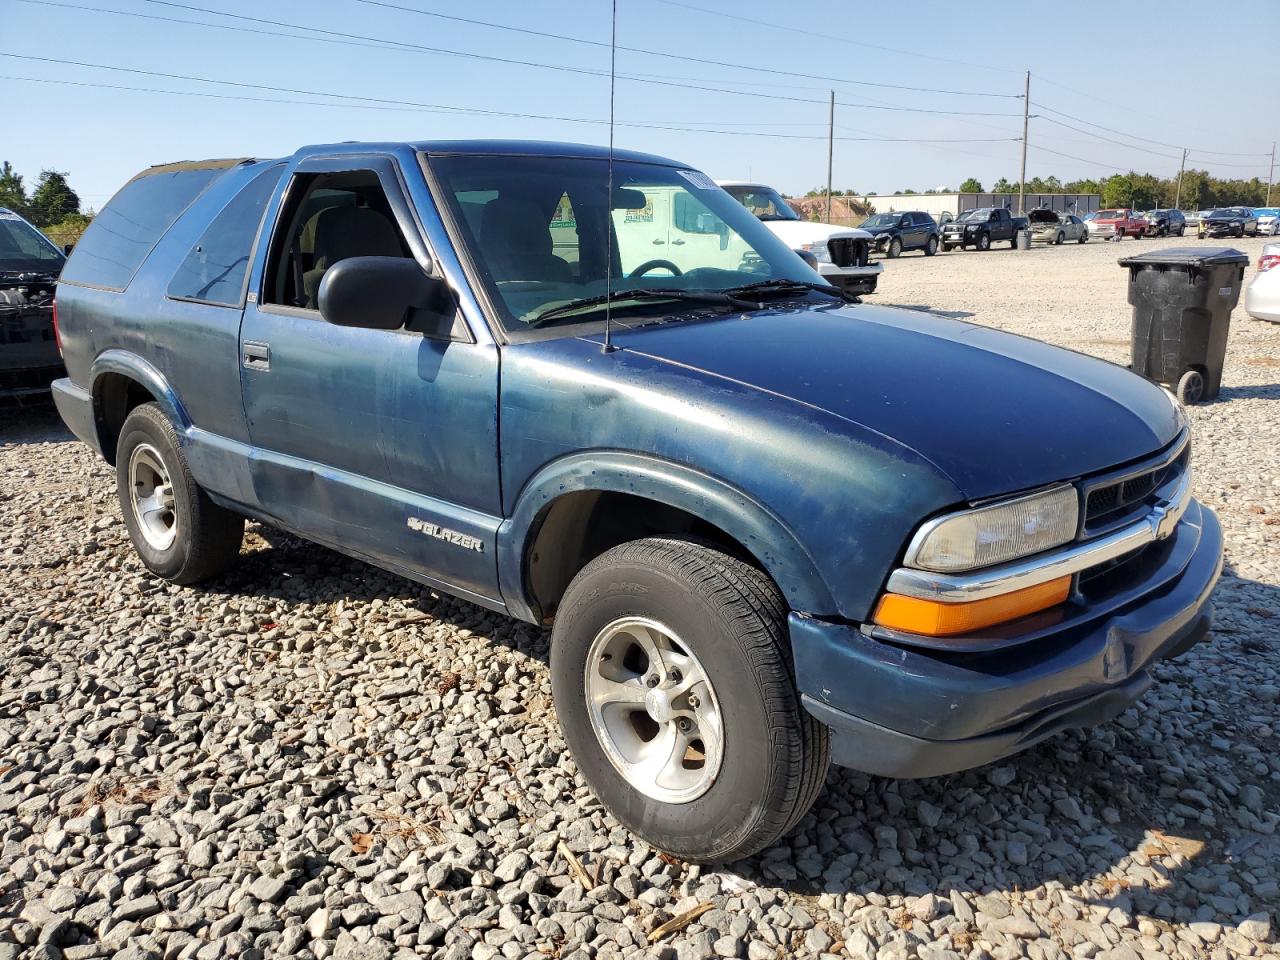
(29, 267)
(895, 232)
(1166, 223)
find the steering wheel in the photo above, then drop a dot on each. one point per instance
(648, 265)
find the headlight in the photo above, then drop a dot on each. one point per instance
(819, 251)
(995, 534)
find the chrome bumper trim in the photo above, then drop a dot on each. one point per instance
(1061, 562)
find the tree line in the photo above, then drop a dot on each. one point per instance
(1142, 191)
(51, 205)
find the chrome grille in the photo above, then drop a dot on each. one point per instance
(1110, 502)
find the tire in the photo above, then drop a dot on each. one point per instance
(895, 248)
(1084, 237)
(946, 248)
(730, 622)
(931, 246)
(1059, 239)
(984, 241)
(178, 532)
(1191, 387)
(1182, 231)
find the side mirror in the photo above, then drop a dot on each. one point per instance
(67, 248)
(379, 293)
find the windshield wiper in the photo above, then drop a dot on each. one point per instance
(639, 293)
(784, 286)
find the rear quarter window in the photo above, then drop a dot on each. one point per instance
(121, 236)
(214, 270)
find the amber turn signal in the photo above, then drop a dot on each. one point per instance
(934, 619)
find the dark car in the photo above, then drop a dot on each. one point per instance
(1229, 222)
(29, 268)
(1166, 223)
(767, 526)
(981, 227)
(896, 232)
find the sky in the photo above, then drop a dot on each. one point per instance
(1101, 105)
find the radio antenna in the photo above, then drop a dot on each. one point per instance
(608, 200)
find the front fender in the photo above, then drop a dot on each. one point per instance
(744, 519)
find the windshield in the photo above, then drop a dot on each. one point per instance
(1267, 212)
(764, 202)
(1111, 214)
(981, 213)
(881, 220)
(540, 234)
(24, 249)
(1228, 212)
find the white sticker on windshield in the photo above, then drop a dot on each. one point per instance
(6, 215)
(699, 180)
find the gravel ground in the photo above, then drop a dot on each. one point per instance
(313, 758)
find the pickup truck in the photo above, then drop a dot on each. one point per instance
(768, 527)
(841, 255)
(981, 227)
(1118, 224)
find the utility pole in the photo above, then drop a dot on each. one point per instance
(1026, 116)
(831, 141)
(1178, 196)
(1271, 171)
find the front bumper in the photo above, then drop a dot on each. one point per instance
(852, 279)
(903, 712)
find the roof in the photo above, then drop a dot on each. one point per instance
(536, 148)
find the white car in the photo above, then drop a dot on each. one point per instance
(1262, 298)
(842, 255)
(1268, 221)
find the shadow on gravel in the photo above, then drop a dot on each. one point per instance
(1126, 810)
(1257, 391)
(35, 422)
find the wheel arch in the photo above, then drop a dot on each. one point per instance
(588, 502)
(119, 381)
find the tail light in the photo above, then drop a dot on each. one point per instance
(1267, 261)
(57, 334)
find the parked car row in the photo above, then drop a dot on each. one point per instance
(29, 268)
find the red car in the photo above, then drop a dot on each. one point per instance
(1118, 223)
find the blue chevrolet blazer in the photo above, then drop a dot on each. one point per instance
(769, 527)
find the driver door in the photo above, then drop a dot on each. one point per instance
(381, 443)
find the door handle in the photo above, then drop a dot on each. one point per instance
(658, 243)
(677, 243)
(256, 355)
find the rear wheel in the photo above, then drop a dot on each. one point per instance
(931, 247)
(895, 248)
(672, 680)
(178, 532)
(984, 241)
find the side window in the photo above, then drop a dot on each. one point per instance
(215, 268)
(121, 236)
(330, 217)
(692, 216)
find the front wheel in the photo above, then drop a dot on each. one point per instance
(984, 241)
(1058, 240)
(895, 248)
(1084, 237)
(671, 672)
(179, 533)
(947, 247)
(931, 247)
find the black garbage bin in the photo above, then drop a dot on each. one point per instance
(1182, 302)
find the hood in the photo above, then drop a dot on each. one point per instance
(995, 412)
(1043, 217)
(795, 232)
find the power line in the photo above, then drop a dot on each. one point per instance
(383, 103)
(1134, 136)
(380, 43)
(833, 37)
(754, 67)
(1097, 136)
